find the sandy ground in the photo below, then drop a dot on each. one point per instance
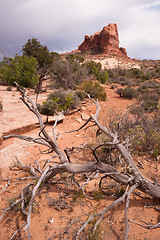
(110, 63)
(15, 114)
(46, 220)
(113, 62)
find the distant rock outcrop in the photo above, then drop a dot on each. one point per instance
(105, 41)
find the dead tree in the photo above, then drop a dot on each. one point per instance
(132, 180)
(42, 77)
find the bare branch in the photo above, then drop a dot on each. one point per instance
(10, 207)
(133, 180)
(7, 184)
(126, 208)
(78, 129)
(28, 139)
(17, 231)
(32, 199)
(148, 226)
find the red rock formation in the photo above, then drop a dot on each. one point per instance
(123, 50)
(105, 41)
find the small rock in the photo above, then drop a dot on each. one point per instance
(84, 116)
(83, 108)
(78, 119)
(53, 118)
(51, 221)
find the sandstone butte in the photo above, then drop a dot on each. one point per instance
(103, 42)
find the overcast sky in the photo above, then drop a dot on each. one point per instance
(62, 24)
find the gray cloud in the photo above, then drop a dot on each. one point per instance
(61, 25)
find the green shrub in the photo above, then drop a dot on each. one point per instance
(94, 89)
(141, 128)
(127, 92)
(143, 89)
(152, 85)
(146, 136)
(58, 101)
(48, 108)
(75, 58)
(129, 77)
(150, 101)
(155, 137)
(64, 99)
(139, 138)
(81, 94)
(95, 70)
(120, 92)
(1, 106)
(93, 67)
(133, 72)
(102, 77)
(33, 48)
(20, 69)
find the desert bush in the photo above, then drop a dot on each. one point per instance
(140, 128)
(64, 99)
(75, 58)
(151, 67)
(94, 69)
(129, 77)
(48, 108)
(146, 134)
(1, 106)
(143, 89)
(120, 92)
(133, 73)
(102, 76)
(81, 94)
(150, 101)
(58, 101)
(67, 73)
(152, 84)
(95, 90)
(127, 92)
(125, 81)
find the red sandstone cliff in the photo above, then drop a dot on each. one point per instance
(105, 41)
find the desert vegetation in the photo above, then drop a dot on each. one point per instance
(60, 100)
(21, 69)
(111, 159)
(103, 160)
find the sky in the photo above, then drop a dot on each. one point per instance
(62, 24)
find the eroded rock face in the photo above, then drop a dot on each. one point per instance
(105, 41)
(123, 50)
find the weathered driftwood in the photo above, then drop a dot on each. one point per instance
(133, 180)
